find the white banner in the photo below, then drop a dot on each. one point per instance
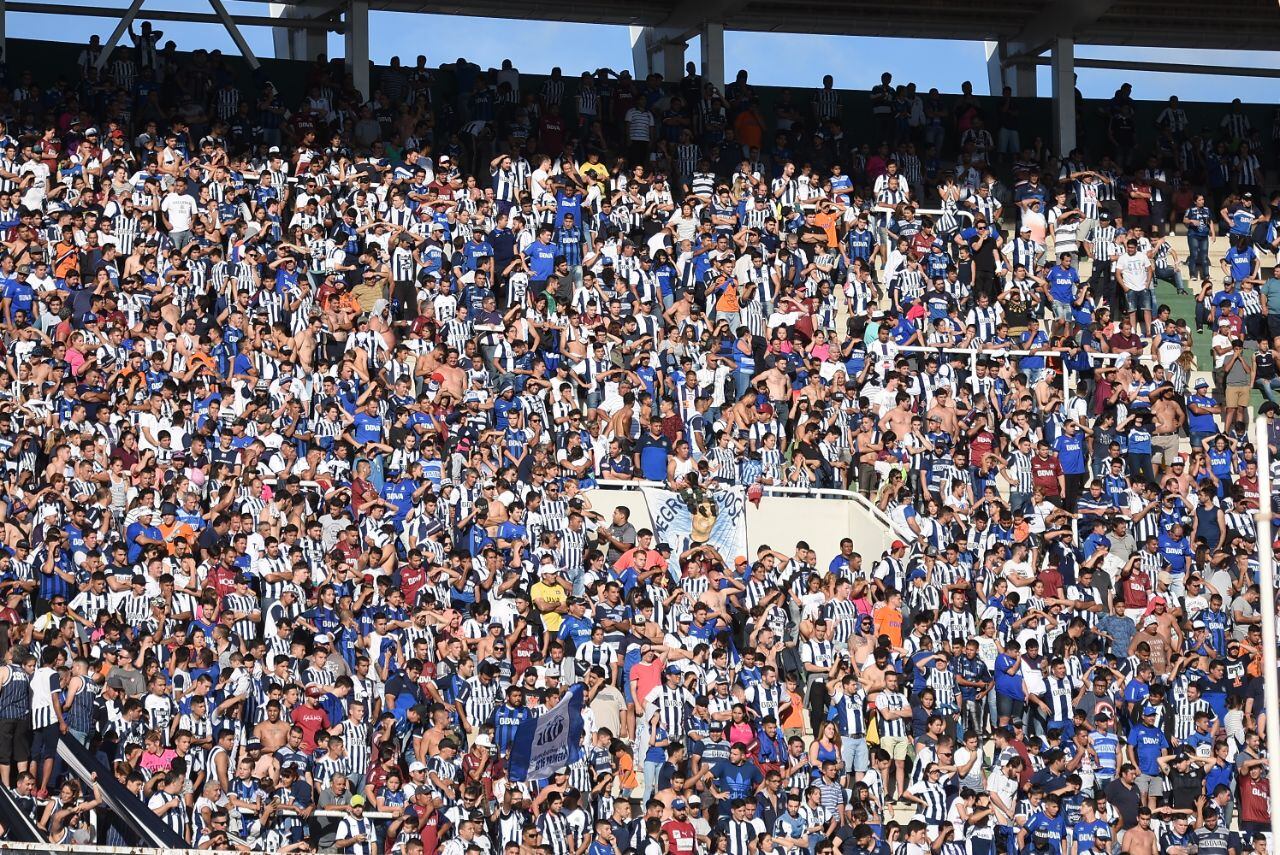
(546, 743)
(718, 519)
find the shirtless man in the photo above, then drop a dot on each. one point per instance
(1168, 623)
(743, 413)
(1140, 840)
(429, 742)
(898, 419)
(1156, 641)
(453, 378)
(945, 409)
(716, 598)
(274, 731)
(777, 385)
(872, 676)
(1169, 418)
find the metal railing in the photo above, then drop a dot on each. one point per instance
(974, 354)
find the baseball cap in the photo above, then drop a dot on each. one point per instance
(1148, 710)
(417, 766)
(357, 801)
(671, 669)
(897, 544)
(1202, 383)
(678, 804)
(1198, 624)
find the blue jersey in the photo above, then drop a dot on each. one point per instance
(1107, 747)
(1092, 835)
(1062, 283)
(506, 720)
(1047, 835)
(1148, 744)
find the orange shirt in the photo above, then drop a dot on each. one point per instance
(728, 301)
(888, 622)
(827, 222)
(66, 257)
(174, 532)
(748, 129)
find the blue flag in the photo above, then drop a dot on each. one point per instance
(546, 743)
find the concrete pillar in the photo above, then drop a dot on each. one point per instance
(357, 45)
(655, 49)
(641, 65)
(673, 60)
(713, 54)
(1021, 78)
(295, 42)
(1064, 95)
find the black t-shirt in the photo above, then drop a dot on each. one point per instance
(1126, 801)
(1185, 787)
(984, 255)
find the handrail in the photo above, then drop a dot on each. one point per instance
(933, 212)
(770, 489)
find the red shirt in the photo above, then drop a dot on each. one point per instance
(429, 823)
(1045, 472)
(223, 580)
(492, 772)
(1053, 581)
(412, 581)
(1251, 492)
(1137, 590)
(681, 839)
(980, 446)
(312, 720)
(1255, 800)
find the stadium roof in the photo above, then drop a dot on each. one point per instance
(1222, 24)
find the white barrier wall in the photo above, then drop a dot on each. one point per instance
(780, 522)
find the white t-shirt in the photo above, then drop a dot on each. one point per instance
(1220, 341)
(180, 209)
(1135, 270)
(35, 193)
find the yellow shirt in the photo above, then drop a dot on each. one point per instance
(598, 171)
(555, 595)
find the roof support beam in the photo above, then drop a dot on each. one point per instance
(126, 21)
(1059, 20)
(1171, 67)
(234, 31)
(300, 43)
(691, 15)
(1020, 78)
(658, 50)
(24, 7)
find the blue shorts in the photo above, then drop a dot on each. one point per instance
(44, 742)
(1140, 301)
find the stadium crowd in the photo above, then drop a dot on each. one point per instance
(304, 399)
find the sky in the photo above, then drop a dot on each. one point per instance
(772, 59)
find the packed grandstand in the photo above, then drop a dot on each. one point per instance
(315, 414)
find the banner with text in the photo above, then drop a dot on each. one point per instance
(716, 517)
(549, 742)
